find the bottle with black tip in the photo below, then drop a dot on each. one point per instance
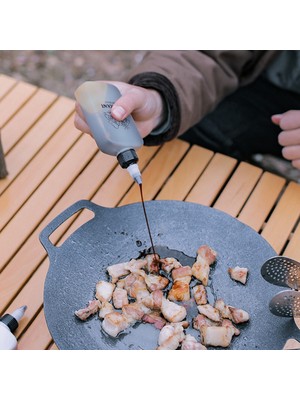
(8, 324)
(116, 138)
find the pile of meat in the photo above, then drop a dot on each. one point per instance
(156, 290)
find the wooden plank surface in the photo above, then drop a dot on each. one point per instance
(15, 98)
(210, 183)
(25, 117)
(27, 182)
(238, 189)
(35, 138)
(6, 84)
(261, 200)
(188, 172)
(284, 217)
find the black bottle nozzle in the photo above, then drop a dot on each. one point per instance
(128, 159)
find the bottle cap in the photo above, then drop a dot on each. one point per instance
(12, 320)
(127, 158)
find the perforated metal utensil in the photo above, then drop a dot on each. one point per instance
(286, 304)
(282, 271)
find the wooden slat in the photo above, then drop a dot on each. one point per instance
(31, 254)
(26, 117)
(37, 337)
(212, 180)
(25, 221)
(157, 172)
(185, 176)
(121, 181)
(6, 84)
(238, 189)
(261, 201)
(283, 218)
(293, 248)
(10, 104)
(35, 138)
(31, 295)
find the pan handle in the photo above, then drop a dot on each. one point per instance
(60, 219)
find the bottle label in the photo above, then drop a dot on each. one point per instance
(116, 124)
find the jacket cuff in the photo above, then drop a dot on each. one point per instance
(154, 80)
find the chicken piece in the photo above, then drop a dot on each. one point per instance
(155, 318)
(238, 315)
(200, 295)
(153, 263)
(92, 308)
(191, 343)
(183, 274)
(207, 253)
(136, 265)
(153, 300)
(223, 308)
(154, 282)
(172, 311)
(201, 268)
(133, 312)
(238, 274)
(216, 335)
(114, 323)
(135, 285)
(171, 336)
(168, 263)
(200, 320)
(117, 270)
(180, 291)
(119, 297)
(228, 323)
(106, 308)
(210, 312)
(104, 290)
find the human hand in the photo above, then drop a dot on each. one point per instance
(145, 106)
(289, 138)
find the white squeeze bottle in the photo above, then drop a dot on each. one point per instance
(8, 324)
(116, 138)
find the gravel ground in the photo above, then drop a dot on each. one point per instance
(63, 71)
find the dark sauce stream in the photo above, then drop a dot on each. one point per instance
(146, 218)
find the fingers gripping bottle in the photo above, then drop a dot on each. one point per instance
(116, 138)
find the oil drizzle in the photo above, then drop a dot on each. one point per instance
(146, 217)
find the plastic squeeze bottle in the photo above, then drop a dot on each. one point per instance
(116, 138)
(8, 324)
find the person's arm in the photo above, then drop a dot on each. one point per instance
(192, 83)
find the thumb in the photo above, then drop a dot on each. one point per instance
(276, 119)
(125, 106)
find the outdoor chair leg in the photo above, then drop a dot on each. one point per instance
(3, 170)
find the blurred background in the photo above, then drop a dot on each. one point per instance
(62, 71)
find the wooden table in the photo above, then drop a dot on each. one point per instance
(52, 165)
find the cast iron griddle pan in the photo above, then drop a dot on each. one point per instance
(116, 235)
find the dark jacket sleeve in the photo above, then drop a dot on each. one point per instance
(192, 83)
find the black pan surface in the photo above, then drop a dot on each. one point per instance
(118, 234)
